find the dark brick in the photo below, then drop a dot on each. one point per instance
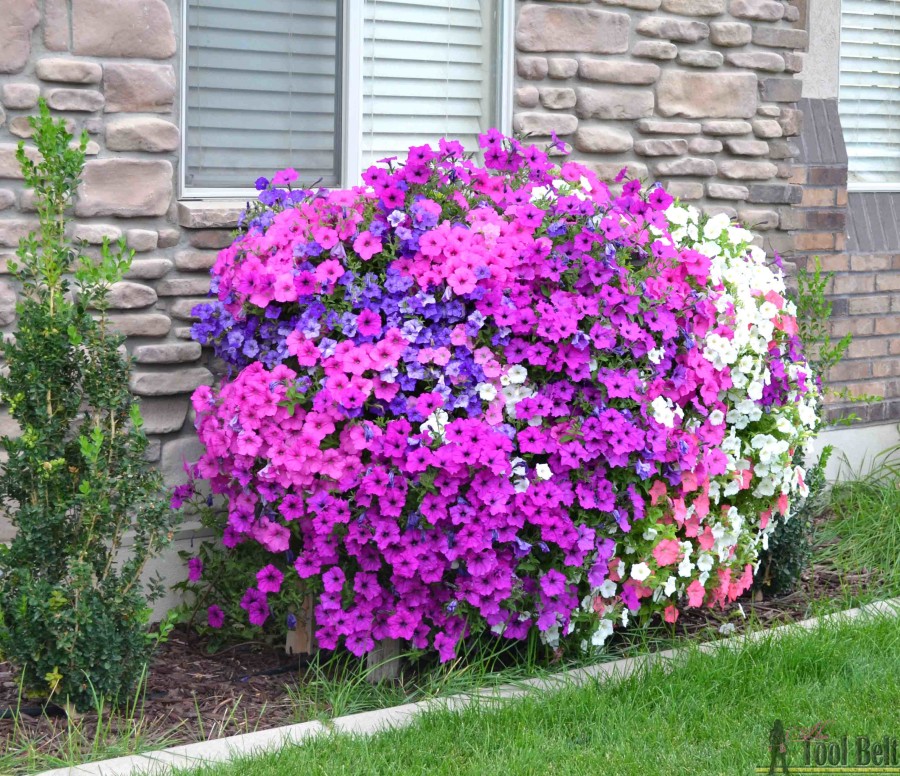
(827, 176)
(833, 220)
(780, 89)
(840, 307)
(775, 193)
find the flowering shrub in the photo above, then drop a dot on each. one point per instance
(497, 397)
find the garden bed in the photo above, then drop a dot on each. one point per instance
(193, 695)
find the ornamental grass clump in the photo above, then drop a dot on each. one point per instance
(73, 611)
(470, 398)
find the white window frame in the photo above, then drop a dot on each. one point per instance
(351, 104)
(887, 186)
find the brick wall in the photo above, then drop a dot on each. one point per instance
(700, 94)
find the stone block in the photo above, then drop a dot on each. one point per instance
(168, 353)
(95, 234)
(138, 88)
(730, 34)
(657, 127)
(557, 98)
(638, 5)
(745, 147)
(13, 230)
(21, 96)
(678, 30)
(125, 188)
(81, 100)
(618, 71)
(192, 261)
(142, 240)
(141, 324)
(694, 7)
(603, 140)
(780, 37)
(608, 171)
(17, 20)
(183, 286)
(163, 416)
(126, 295)
(612, 103)
(562, 68)
(148, 269)
(9, 165)
(687, 190)
(175, 454)
(661, 147)
(758, 10)
(208, 215)
(548, 28)
(169, 382)
(757, 60)
(70, 71)
(7, 303)
(182, 309)
(527, 97)
(169, 238)
(688, 165)
(726, 191)
(56, 25)
(704, 145)
(693, 58)
(655, 49)
(139, 29)
(766, 128)
(532, 68)
(144, 133)
(738, 169)
(543, 124)
(707, 95)
(211, 238)
(720, 128)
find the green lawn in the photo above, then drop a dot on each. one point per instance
(710, 715)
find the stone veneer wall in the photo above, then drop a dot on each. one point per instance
(700, 94)
(110, 67)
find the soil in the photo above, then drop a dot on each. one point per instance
(193, 695)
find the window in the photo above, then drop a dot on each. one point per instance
(331, 86)
(870, 92)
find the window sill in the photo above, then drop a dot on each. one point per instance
(210, 213)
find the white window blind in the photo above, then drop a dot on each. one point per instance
(870, 90)
(262, 91)
(429, 71)
(264, 84)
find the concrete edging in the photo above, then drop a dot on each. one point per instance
(366, 723)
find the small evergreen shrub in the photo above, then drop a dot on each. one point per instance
(73, 611)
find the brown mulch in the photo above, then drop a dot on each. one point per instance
(193, 695)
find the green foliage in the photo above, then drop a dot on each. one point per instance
(88, 510)
(226, 576)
